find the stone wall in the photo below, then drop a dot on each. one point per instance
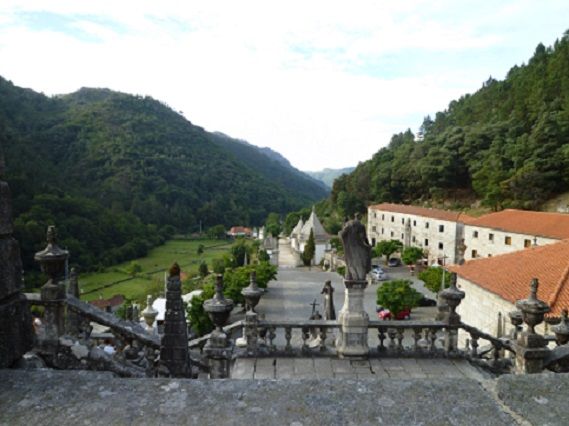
(425, 232)
(488, 242)
(16, 336)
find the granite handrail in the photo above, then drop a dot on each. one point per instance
(125, 329)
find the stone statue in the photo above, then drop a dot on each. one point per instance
(328, 292)
(357, 250)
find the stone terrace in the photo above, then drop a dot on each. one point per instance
(45, 397)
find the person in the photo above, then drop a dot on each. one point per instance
(328, 292)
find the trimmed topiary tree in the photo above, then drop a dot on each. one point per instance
(398, 295)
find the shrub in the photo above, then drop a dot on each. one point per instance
(398, 295)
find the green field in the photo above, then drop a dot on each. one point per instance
(151, 279)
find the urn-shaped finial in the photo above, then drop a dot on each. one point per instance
(252, 293)
(533, 310)
(218, 308)
(452, 296)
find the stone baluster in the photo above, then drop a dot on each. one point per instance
(432, 340)
(288, 337)
(272, 334)
(400, 340)
(381, 337)
(305, 336)
(530, 347)
(174, 353)
(391, 333)
(218, 348)
(52, 260)
(474, 345)
(416, 338)
(322, 339)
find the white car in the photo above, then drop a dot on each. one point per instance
(378, 275)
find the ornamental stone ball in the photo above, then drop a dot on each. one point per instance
(357, 250)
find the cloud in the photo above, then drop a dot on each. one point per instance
(326, 83)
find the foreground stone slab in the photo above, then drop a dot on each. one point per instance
(538, 398)
(73, 397)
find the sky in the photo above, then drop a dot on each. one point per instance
(325, 83)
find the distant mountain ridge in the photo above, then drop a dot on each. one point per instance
(98, 156)
(327, 176)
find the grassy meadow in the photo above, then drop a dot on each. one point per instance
(151, 279)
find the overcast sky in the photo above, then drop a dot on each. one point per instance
(325, 83)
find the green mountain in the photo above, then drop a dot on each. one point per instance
(113, 170)
(327, 176)
(507, 145)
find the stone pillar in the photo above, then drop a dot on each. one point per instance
(354, 321)
(52, 260)
(530, 347)
(218, 348)
(451, 297)
(174, 352)
(16, 332)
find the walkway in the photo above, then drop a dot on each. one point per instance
(333, 368)
(286, 257)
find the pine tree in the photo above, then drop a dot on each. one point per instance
(309, 249)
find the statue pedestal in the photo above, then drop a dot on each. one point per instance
(353, 320)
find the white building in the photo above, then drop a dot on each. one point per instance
(439, 232)
(511, 230)
(493, 285)
(301, 233)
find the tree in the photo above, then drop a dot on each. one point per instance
(433, 277)
(203, 269)
(216, 232)
(309, 250)
(218, 265)
(200, 249)
(398, 295)
(264, 256)
(273, 224)
(238, 251)
(387, 248)
(199, 320)
(133, 268)
(411, 255)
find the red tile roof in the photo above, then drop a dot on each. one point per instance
(449, 215)
(509, 275)
(240, 230)
(542, 224)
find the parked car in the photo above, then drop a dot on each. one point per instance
(394, 261)
(378, 275)
(385, 314)
(425, 301)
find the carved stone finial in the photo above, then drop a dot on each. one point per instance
(51, 235)
(533, 309)
(533, 289)
(174, 270)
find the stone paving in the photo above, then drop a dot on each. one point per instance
(333, 368)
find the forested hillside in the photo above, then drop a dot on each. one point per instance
(507, 145)
(119, 173)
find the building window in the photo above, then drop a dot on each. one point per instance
(402, 236)
(527, 243)
(508, 240)
(382, 231)
(474, 234)
(440, 246)
(403, 221)
(373, 228)
(426, 242)
(474, 254)
(392, 233)
(373, 242)
(441, 228)
(375, 215)
(491, 238)
(393, 218)
(413, 239)
(382, 217)
(489, 254)
(414, 223)
(426, 224)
